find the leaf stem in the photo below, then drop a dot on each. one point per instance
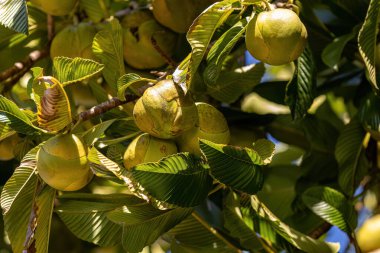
(355, 242)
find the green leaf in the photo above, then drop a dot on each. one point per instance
(68, 70)
(237, 167)
(92, 134)
(15, 118)
(201, 31)
(5, 131)
(177, 179)
(350, 154)
(220, 50)
(300, 91)
(297, 239)
(265, 149)
(143, 224)
(332, 206)
(93, 10)
(108, 48)
(14, 15)
(369, 114)
(232, 84)
(367, 40)
(126, 81)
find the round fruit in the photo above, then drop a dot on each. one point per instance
(74, 41)
(62, 163)
(368, 235)
(139, 33)
(146, 148)
(276, 37)
(7, 147)
(178, 15)
(55, 7)
(164, 111)
(212, 126)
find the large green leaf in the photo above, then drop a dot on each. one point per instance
(108, 48)
(232, 84)
(297, 239)
(11, 115)
(14, 15)
(143, 224)
(350, 154)
(300, 90)
(201, 31)
(237, 167)
(177, 179)
(367, 40)
(68, 70)
(332, 206)
(220, 50)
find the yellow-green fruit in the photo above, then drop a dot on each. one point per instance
(55, 7)
(276, 37)
(62, 163)
(74, 41)
(7, 147)
(212, 126)
(140, 31)
(178, 15)
(146, 148)
(368, 235)
(164, 111)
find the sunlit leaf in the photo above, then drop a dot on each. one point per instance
(126, 81)
(92, 134)
(14, 15)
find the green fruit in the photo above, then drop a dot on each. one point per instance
(146, 148)
(276, 37)
(62, 163)
(178, 15)
(7, 147)
(74, 41)
(212, 126)
(139, 30)
(164, 111)
(368, 236)
(55, 7)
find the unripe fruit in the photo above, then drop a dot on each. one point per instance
(55, 7)
(212, 126)
(62, 163)
(164, 111)
(146, 148)
(368, 236)
(7, 147)
(276, 37)
(178, 15)
(139, 30)
(74, 41)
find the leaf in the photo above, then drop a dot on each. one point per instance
(108, 48)
(143, 224)
(93, 10)
(332, 206)
(367, 40)
(300, 91)
(369, 114)
(201, 31)
(232, 84)
(5, 131)
(53, 107)
(92, 134)
(237, 167)
(297, 239)
(11, 115)
(14, 15)
(126, 81)
(177, 179)
(68, 70)
(350, 154)
(220, 50)
(265, 149)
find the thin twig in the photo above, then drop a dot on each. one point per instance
(164, 55)
(321, 230)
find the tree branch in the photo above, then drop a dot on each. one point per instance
(321, 230)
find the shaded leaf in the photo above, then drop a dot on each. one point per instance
(93, 10)
(14, 15)
(369, 113)
(265, 149)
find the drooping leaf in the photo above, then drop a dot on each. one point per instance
(332, 206)
(143, 224)
(72, 70)
(300, 90)
(108, 48)
(126, 81)
(350, 154)
(14, 15)
(297, 239)
(232, 84)
(177, 179)
(237, 167)
(367, 40)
